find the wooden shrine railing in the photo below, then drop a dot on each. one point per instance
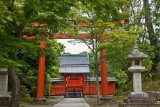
(91, 88)
(58, 89)
(74, 82)
(87, 88)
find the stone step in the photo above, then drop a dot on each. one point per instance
(139, 101)
(4, 101)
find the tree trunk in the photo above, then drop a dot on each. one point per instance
(152, 36)
(154, 68)
(15, 88)
(96, 73)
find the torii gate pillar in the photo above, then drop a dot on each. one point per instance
(103, 69)
(41, 73)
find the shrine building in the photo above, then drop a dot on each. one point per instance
(76, 81)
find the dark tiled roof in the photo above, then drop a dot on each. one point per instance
(74, 63)
(99, 79)
(80, 59)
(87, 79)
(74, 69)
(57, 79)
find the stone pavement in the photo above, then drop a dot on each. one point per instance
(72, 102)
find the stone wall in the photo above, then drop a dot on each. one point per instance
(154, 95)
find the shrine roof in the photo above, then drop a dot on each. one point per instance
(57, 79)
(72, 59)
(99, 79)
(74, 69)
(74, 63)
(91, 79)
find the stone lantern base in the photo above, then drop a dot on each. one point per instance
(138, 95)
(5, 100)
(5, 97)
(138, 98)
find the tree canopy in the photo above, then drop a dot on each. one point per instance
(142, 22)
(16, 20)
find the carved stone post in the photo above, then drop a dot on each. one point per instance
(5, 98)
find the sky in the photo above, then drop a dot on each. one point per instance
(73, 48)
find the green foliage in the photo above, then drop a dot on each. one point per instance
(29, 68)
(100, 15)
(146, 14)
(16, 19)
(53, 52)
(117, 72)
(47, 84)
(24, 92)
(9, 45)
(102, 9)
(26, 100)
(118, 46)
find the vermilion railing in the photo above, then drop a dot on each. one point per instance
(86, 88)
(58, 89)
(89, 89)
(74, 82)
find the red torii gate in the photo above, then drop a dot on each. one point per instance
(41, 68)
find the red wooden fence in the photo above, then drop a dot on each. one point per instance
(87, 88)
(58, 89)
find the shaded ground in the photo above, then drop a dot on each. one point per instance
(91, 100)
(117, 101)
(49, 103)
(114, 102)
(72, 102)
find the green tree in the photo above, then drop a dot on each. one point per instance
(118, 46)
(145, 14)
(152, 29)
(16, 19)
(99, 16)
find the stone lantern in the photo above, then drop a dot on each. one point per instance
(136, 68)
(137, 96)
(5, 97)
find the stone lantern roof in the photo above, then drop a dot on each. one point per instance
(136, 54)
